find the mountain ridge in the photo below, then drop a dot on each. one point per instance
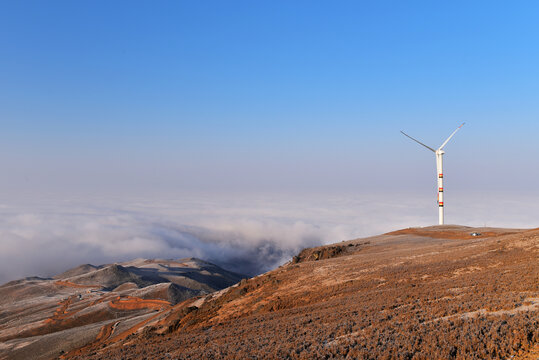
(418, 293)
(41, 318)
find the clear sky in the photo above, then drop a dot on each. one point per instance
(243, 131)
(266, 95)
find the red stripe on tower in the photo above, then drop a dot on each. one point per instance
(440, 189)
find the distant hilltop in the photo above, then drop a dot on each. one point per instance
(42, 318)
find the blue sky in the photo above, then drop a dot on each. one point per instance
(266, 95)
(243, 131)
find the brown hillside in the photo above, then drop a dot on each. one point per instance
(432, 293)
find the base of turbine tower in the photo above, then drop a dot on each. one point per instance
(441, 214)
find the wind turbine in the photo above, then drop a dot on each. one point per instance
(439, 166)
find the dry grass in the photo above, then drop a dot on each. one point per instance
(446, 296)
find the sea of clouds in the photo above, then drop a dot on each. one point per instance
(246, 234)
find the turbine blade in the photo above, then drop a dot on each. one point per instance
(417, 141)
(450, 136)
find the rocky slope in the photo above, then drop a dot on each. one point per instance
(425, 293)
(44, 318)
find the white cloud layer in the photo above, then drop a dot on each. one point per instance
(248, 234)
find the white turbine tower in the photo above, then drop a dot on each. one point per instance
(439, 166)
